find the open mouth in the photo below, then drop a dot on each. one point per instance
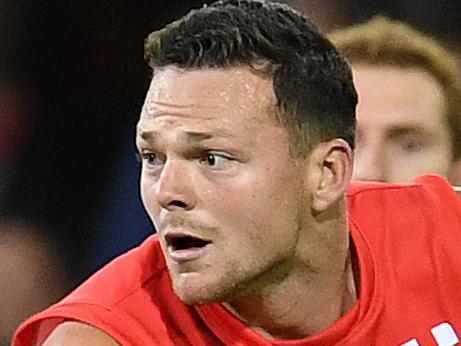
(184, 242)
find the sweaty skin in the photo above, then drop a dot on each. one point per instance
(217, 166)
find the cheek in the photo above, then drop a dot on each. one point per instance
(259, 209)
(143, 188)
(147, 197)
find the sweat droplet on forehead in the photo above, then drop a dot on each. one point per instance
(224, 95)
(213, 85)
(230, 96)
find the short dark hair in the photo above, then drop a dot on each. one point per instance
(312, 83)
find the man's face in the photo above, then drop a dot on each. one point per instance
(402, 127)
(218, 181)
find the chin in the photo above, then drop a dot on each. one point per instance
(193, 294)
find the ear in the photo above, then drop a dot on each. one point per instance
(334, 162)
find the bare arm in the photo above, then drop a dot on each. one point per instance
(78, 334)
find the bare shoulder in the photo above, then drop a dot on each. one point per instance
(78, 334)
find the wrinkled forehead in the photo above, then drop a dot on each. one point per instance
(233, 90)
(232, 103)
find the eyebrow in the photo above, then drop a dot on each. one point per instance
(188, 136)
(404, 129)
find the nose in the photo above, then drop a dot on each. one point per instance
(370, 163)
(174, 189)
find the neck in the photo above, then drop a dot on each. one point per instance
(306, 301)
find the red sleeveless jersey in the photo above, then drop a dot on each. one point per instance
(408, 241)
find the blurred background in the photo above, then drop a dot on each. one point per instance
(72, 82)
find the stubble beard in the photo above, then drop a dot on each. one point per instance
(220, 289)
(237, 282)
(241, 278)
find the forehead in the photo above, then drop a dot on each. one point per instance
(233, 94)
(394, 95)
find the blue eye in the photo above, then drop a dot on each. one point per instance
(216, 161)
(151, 159)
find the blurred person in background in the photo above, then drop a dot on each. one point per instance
(32, 273)
(409, 110)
